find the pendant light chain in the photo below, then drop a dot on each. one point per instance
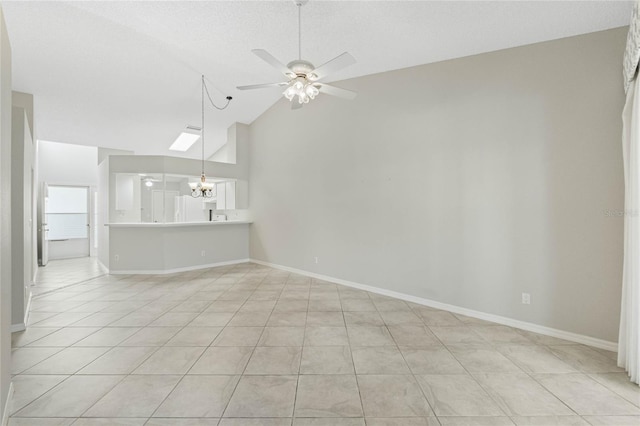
(299, 32)
(205, 89)
(202, 188)
(202, 126)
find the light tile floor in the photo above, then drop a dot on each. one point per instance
(249, 345)
(61, 273)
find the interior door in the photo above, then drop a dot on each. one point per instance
(67, 218)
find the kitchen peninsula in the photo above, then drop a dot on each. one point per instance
(149, 222)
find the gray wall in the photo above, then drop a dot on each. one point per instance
(5, 214)
(25, 101)
(103, 211)
(466, 182)
(22, 164)
(180, 247)
(104, 153)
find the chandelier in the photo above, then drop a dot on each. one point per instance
(203, 188)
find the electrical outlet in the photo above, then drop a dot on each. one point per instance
(116, 257)
(316, 259)
(526, 299)
(203, 253)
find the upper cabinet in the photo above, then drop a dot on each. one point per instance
(226, 195)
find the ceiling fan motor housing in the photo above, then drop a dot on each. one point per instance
(302, 68)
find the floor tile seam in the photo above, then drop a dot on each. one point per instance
(100, 311)
(469, 374)
(206, 348)
(487, 389)
(60, 329)
(24, 373)
(590, 375)
(295, 395)
(37, 324)
(226, 407)
(73, 375)
(67, 286)
(415, 379)
(39, 362)
(168, 393)
(518, 364)
(107, 392)
(353, 363)
(571, 361)
(567, 405)
(137, 365)
(14, 412)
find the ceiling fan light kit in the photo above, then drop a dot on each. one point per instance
(303, 82)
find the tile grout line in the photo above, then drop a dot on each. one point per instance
(226, 407)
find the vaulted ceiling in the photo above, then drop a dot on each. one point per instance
(126, 74)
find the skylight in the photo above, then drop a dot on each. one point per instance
(184, 141)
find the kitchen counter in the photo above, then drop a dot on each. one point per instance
(163, 248)
(175, 224)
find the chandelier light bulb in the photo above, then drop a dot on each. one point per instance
(290, 92)
(311, 91)
(301, 88)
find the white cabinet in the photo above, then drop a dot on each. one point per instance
(226, 195)
(230, 195)
(221, 195)
(189, 209)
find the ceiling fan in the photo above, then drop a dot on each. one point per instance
(303, 78)
(148, 180)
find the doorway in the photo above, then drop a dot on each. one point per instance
(66, 211)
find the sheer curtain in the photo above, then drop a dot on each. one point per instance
(629, 338)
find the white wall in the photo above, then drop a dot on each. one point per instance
(26, 102)
(103, 212)
(465, 182)
(22, 156)
(220, 155)
(5, 217)
(67, 164)
(228, 153)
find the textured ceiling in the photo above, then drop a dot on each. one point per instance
(127, 74)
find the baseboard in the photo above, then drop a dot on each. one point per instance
(176, 270)
(18, 327)
(7, 406)
(102, 265)
(27, 309)
(523, 325)
(23, 326)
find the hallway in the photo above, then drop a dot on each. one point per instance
(62, 273)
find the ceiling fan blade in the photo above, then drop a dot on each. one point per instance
(337, 91)
(334, 65)
(295, 104)
(271, 60)
(261, 86)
